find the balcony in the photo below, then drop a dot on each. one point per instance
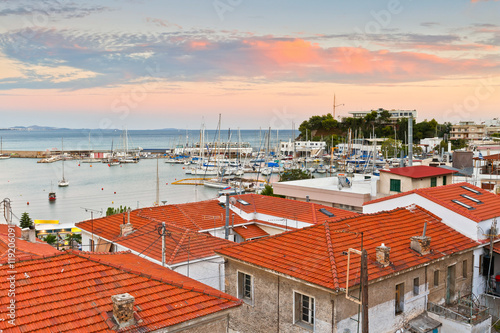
(466, 313)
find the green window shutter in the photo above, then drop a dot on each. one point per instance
(444, 180)
(395, 185)
(433, 181)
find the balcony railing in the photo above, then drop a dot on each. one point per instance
(464, 310)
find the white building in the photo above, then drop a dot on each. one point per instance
(466, 208)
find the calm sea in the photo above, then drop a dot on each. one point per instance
(97, 186)
(148, 139)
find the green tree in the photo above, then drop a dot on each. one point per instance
(295, 174)
(112, 211)
(25, 221)
(389, 148)
(74, 237)
(50, 239)
(268, 190)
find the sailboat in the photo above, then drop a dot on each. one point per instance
(2, 155)
(63, 182)
(52, 194)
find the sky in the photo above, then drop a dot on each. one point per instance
(150, 64)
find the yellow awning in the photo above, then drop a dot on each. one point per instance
(46, 221)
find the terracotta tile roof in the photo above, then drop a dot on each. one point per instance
(289, 209)
(71, 292)
(202, 215)
(4, 229)
(181, 244)
(250, 231)
(315, 254)
(419, 171)
(443, 195)
(23, 247)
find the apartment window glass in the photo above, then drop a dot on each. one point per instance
(444, 180)
(245, 287)
(400, 298)
(395, 185)
(436, 278)
(304, 310)
(433, 181)
(464, 269)
(416, 286)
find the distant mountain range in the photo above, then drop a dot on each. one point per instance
(48, 128)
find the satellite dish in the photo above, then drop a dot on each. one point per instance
(232, 201)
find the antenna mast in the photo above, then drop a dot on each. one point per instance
(335, 105)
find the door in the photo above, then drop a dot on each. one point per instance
(450, 284)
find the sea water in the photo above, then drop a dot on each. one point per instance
(95, 187)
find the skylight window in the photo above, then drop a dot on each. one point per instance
(243, 202)
(471, 198)
(471, 189)
(326, 212)
(463, 204)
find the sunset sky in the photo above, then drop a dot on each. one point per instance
(148, 64)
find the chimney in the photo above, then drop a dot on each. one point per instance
(29, 234)
(126, 228)
(123, 309)
(382, 254)
(421, 244)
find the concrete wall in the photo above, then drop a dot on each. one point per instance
(407, 183)
(323, 196)
(214, 323)
(461, 327)
(209, 271)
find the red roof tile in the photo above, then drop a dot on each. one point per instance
(419, 171)
(315, 254)
(22, 247)
(443, 195)
(4, 229)
(71, 292)
(250, 231)
(288, 209)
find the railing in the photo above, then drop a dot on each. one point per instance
(467, 314)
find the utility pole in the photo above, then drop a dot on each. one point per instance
(92, 224)
(334, 106)
(364, 291)
(7, 212)
(162, 231)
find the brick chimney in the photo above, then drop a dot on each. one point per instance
(123, 309)
(29, 234)
(421, 244)
(126, 228)
(382, 254)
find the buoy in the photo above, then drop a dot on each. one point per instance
(184, 167)
(102, 188)
(91, 165)
(28, 203)
(109, 165)
(112, 202)
(78, 164)
(166, 183)
(115, 192)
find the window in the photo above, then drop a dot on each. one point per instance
(444, 180)
(436, 278)
(433, 181)
(400, 298)
(245, 287)
(91, 245)
(304, 310)
(395, 185)
(464, 269)
(416, 286)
